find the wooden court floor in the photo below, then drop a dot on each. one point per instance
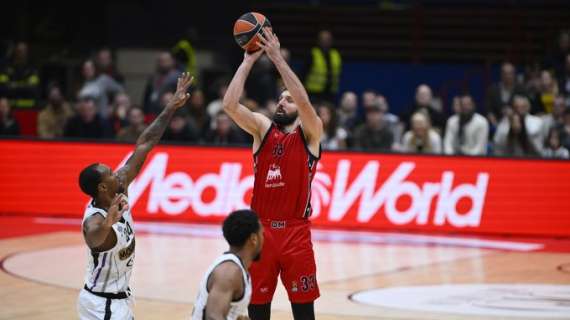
(41, 274)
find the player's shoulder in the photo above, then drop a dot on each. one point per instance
(92, 212)
(262, 119)
(228, 267)
(227, 273)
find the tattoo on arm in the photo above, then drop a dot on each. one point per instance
(152, 134)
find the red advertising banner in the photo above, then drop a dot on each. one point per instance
(350, 190)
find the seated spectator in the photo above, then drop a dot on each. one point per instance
(368, 99)
(532, 79)
(199, 118)
(347, 112)
(98, 87)
(118, 117)
(556, 118)
(544, 99)
(553, 148)
(393, 120)
(105, 64)
(8, 124)
(421, 138)
(87, 123)
(467, 132)
(135, 126)
(424, 102)
(564, 78)
(163, 80)
(519, 133)
(19, 80)
(334, 137)
(456, 105)
(224, 133)
(52, 119)
(374, 133)
(564, 130)
(500, 95)
(180, 129)
(216, 105)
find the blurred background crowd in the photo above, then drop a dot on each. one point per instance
(523, 111)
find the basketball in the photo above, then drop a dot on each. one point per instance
(246, 29)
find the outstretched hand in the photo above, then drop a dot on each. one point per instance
(269, 43)
(181, 96)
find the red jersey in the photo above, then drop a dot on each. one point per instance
(284, 169)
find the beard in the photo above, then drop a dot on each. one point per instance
(283, 119)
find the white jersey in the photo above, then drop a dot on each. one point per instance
(109, 271)
(237, 308)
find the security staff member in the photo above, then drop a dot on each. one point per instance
(323, 70)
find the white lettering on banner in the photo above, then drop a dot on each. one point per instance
(363, 186)
(176, 192)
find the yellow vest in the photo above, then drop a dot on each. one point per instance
(317, 77)
(188, 50)
(32, 80)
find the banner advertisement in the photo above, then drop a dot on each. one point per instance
(388, 192)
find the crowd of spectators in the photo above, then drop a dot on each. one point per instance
(521, 115)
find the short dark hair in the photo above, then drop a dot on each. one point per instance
(89, 179)
(239, 226)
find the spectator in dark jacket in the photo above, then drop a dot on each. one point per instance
(424, 102)
(87, 123)
(500, 95)
(180, 129)
(374, 134)
(164, 80)
(224, 133)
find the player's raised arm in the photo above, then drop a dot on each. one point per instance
(254, 123)
(312, 125)
(152, 134)
(226, 282)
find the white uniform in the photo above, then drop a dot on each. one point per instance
(237, 308)
(106, 294)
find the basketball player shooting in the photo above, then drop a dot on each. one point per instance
(108, 224)
(225, 290)
(285, 153)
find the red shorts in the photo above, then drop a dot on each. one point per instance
(287, 251)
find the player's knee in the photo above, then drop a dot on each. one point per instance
(259, 311)
(303, 311)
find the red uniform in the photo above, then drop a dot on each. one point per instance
(284, 169)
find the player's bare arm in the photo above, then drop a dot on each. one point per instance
(152, 134)
(98, 229)
(225, 284)
(312, 125)
(253, 123)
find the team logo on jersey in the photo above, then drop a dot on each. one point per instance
(127, 251)
(273, 179)
(294, 286)
(278, 150)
